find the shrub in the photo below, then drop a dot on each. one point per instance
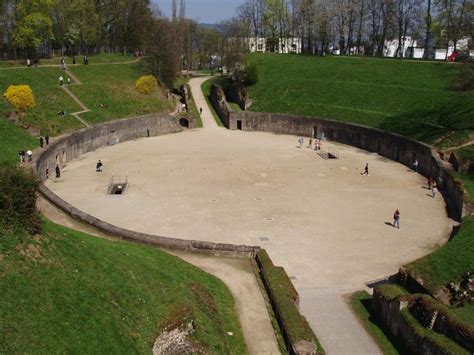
(251, 75)
(20, 97)
(147, 84)
(18, 200)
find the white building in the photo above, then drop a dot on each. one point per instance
(410, 49)
(285, 45)
(391, 47)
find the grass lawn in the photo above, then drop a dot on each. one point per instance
(114, 85)
(448, 263)
(67, 292)
(407, 97)
(361, 303)
(50, 99)
(13, 139)
(206, 90)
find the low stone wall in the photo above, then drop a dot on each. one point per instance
(86, 140)
(220, 104)
(408, 317)
(393, 146)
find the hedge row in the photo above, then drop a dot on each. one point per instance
(284, 298)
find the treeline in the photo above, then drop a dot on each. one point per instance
(356, 26)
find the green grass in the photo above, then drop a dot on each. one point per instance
(206, 90)
(361, 303)
(114, 86)
(448, 263)
(466, 312)
(12, 140)
(407, 97)
(67, 292)
(50, 99)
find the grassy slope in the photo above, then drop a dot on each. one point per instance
(449, 262)
(407, 97)
(13, 139)
(114, 85)
(50, 98)
(78, 294)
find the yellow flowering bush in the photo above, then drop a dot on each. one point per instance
(20, 97)
(147, 84)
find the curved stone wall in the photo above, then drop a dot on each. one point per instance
(86, 140)
(387, 144)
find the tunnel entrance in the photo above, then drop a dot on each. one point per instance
(184, 122)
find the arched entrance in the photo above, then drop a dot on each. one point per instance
(184, 122)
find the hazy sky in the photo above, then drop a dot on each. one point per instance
(205, 11)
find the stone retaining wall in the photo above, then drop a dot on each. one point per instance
(86, 140)
(408, 318)
(390, 145)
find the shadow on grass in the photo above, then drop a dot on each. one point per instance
(451, 118)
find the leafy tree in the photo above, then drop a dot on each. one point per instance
(33, 23)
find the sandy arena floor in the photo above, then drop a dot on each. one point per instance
(320, 219)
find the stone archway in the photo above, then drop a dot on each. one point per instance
(184, 122)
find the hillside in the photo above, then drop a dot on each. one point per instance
(67, 292)
(408, 97)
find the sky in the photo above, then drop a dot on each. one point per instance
(204, 11)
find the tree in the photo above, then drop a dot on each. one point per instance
(33, 24)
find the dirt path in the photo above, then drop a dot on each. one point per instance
(237, 274)
(208, 121)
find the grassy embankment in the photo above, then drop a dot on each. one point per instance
(406, 97)
(110, 84)
(114, 86)
(65, 291)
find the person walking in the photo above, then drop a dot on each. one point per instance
(58, 172)
(415, 166)
(63, 63)
(98, 166)
(200, 110)
(47, 173)
(41, 139)
(310, 144)
(434, 190)
(301, 141)
(61, 80)
(30, 156)
(68, 80)
(366, 170)
(21, 153)
(396, 218)
(46, 139)
(28, 62)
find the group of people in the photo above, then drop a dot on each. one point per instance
(317, 143)
(30, 62)
(61, 80)
(85, 60)
(25, 156)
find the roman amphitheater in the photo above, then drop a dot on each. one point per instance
(321, 219)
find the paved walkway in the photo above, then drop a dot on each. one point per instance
(208, 120)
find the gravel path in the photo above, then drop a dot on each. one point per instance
(208, 121)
